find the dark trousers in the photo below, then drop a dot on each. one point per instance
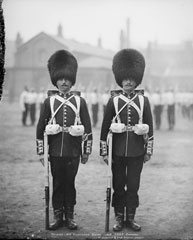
(64, 170)
(33, 113)
(126, 181)
(95, 109)
(157, 113)
(24, 114)
(171, 116)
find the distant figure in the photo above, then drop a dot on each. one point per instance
(170, 103)
(94, 106)
(157, 107)
(24, 104)
(41, 96)
(105, 98)
(147, 93)
(32, 106)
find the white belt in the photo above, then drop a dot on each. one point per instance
(74, 130)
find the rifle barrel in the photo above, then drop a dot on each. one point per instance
(109, 183)
(47, 191)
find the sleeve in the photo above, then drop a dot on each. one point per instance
(107, 119)
(45, 114)
(85, 120)
(148, 119)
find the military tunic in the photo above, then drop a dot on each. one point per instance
(126, 144)
(128, 148)
(64, 149)
(63, 144)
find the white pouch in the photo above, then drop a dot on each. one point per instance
(52, 129)
(76, 130)
(141, 129)
(117, 127)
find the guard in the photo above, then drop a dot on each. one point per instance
(128, 115)
(65, 118)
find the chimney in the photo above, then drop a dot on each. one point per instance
(99, 44)
(18, 41)
(122, 40)
(128, 33)
(60, 31)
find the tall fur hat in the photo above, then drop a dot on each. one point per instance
(128, 64)
(62, 64)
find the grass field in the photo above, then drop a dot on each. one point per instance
(166, 192)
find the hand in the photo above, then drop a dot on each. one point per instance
(147, 157)
(105, 159)
(84, 158)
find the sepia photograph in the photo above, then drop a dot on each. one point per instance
(96, 119)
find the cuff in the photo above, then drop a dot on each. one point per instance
(40, 146)
(88, 146)
(149, 147)
(103, 148)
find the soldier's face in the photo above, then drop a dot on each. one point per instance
(128, 85)
(64, 85)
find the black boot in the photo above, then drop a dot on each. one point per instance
(58, 215)
(130, 222)
(119, 218)
(71, 224)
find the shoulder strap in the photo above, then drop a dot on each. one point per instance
(139, 110)
(76, 110)
(115, 100)
(52, 99)
(141, 102)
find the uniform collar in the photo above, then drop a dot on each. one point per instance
(68, 94)
(130, 95)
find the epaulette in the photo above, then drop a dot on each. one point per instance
(52, 92)
(77, 93)
(118, 92)
(139, 91)
(115, 93)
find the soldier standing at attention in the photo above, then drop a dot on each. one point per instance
(128, 110)
(65, 142)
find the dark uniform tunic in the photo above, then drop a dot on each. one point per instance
(128, 149)
(65, 150)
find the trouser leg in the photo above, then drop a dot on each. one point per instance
(134, 168)
(33, 113)
(119, 181)
(119, 197)
(64, 171)
(24, 114)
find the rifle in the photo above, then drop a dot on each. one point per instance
(47, 191)
(109, 182)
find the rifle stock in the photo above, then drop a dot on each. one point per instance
(47, 190)
(109, 182)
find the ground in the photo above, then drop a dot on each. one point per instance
(166, 192)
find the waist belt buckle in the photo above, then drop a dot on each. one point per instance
(129, 128)
(65, 129)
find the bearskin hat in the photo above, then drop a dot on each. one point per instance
(128, 64)
(62, 64)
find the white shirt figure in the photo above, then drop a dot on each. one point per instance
(41, 96)
(24, 99)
